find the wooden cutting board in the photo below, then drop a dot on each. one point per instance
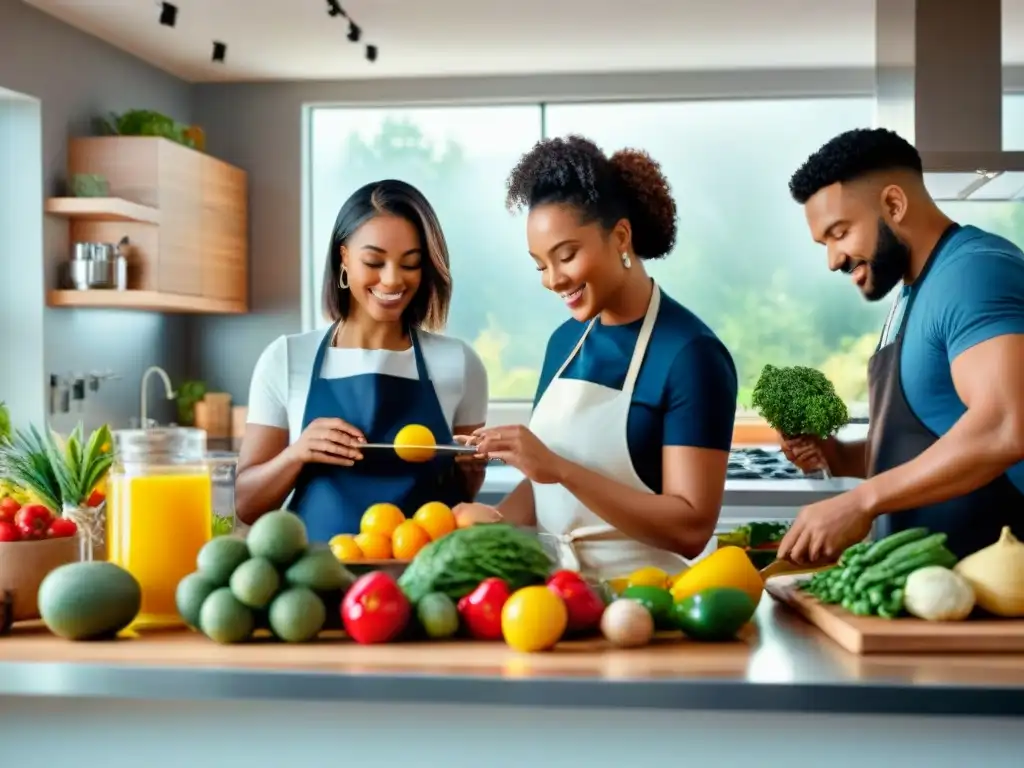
(869, 634)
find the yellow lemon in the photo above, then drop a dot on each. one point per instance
(344, 547)
(382, 519)
(649, 577)
(415, 435)
(533, 619)
(618, 585)
(436, 518)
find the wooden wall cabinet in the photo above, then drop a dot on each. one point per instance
(185, 214)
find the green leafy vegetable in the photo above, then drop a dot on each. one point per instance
(798, 401)
(455, 564)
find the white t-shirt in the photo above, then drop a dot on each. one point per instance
(280, 380)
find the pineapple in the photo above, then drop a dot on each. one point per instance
(59, 474)
(5, 423)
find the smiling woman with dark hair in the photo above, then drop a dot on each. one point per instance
(626, 451)
(317, 397)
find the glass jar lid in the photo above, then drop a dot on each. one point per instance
(160, 445)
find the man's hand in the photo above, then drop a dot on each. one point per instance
(823, 530)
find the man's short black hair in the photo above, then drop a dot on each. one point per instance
(851, 155)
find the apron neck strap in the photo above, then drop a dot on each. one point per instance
(421, 365)
(642, 340)
(328, 341)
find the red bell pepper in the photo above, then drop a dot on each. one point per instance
(9, 531)
(61, 528)
(480, 610)
(582, 603)
(375, 610)
(33, 520)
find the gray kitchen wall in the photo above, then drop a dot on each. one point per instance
(75, 77)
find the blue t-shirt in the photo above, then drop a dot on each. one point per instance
(973, 291)
(685, 392)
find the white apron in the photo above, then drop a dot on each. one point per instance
(586, 423)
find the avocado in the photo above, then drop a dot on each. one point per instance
(224, 619)
(219, 557)
(255, 582)
(656, 600)
(713, 614)
(319, 570)
(89, 601)
(189, 596)
(297, 615)
(278, 536)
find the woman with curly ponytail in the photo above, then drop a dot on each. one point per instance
(626, 452)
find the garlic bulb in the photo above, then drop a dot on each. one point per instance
(935, 593)
(996, 574)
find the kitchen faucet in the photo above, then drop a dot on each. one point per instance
(168, 389)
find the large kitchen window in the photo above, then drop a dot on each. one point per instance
(744, 260)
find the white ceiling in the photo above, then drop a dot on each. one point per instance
(296, 40)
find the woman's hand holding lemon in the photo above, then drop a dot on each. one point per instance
(328, 441)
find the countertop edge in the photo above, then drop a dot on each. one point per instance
(81, 680)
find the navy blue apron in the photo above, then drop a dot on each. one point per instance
(331, 499)
(896, 436)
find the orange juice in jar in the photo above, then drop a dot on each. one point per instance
(159, 513)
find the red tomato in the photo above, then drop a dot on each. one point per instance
(8, 508)
(481, 609)
(583, 604)
(33, 520)
(374, 609)
(61, 528)
(9, 531)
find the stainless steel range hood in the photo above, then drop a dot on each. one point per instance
(939, 84)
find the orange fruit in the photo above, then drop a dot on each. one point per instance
(408, 539)
(415, 435)
(344, 547)
(726, 567)
(382, 519)
(436, 518)
(374, 546)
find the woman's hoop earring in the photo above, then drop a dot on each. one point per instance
(626, 260)
(343, 279)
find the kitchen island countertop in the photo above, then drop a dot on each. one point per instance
(782, 664)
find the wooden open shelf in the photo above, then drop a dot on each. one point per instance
(101, 209)
(153, 301)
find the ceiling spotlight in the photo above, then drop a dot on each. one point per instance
(334, 8)
(354, 32)
(168, 14)
(371, 53)
(219, 50)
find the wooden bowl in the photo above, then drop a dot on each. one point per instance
(24, 565)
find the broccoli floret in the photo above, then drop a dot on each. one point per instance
(799, 401)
